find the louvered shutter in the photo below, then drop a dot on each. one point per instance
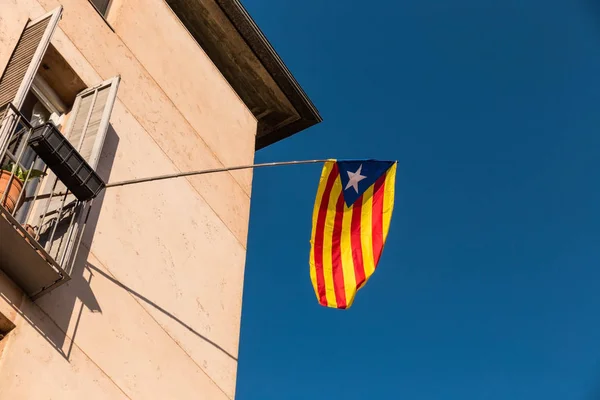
(88, 123)
(26, 59)
(86, 130)
(22, 67)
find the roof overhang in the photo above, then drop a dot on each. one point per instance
(233, 41)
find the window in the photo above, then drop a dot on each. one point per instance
(38, 110)
(41, 85)
(6, 326)
(101, 6)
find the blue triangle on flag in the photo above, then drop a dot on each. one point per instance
(358, 176)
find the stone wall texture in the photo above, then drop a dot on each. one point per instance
(153, 308)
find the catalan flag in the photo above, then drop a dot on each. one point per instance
(351, 220)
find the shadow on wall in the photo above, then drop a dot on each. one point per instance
(60, 330)
(159, 308)
(61, 302)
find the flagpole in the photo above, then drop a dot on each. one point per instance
(190, 173)
(210, 171)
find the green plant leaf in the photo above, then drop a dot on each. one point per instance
(21, 173)
(35, 173)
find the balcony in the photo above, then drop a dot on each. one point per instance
(41, 221)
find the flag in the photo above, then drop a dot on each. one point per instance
(351, 220)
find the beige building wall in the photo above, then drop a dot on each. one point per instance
(153, 307)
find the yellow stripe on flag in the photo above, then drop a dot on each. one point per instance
(347, 258)
(388, 199)
(327, 167)
(336, 190)
(366, 236)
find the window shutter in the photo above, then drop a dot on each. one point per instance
(86, 130)
(88, 123)
(26, 58)
(22, 67)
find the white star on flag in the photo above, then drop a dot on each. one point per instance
(355, 177)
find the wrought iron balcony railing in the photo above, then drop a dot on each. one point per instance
(41, 221)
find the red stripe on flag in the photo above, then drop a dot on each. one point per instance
(336, 254)
(319, 234)
(378, 192)
(355, 228)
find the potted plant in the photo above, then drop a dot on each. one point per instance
(21, 176)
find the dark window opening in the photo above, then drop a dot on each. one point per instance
(101, 6)
(5, 326)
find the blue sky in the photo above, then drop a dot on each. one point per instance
(489, 285)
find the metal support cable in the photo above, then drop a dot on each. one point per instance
(190, 173)
(210, 171)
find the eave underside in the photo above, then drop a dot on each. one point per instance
(245, 58)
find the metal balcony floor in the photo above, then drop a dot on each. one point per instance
(20, 260)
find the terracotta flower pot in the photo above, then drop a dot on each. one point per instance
(10, 201)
